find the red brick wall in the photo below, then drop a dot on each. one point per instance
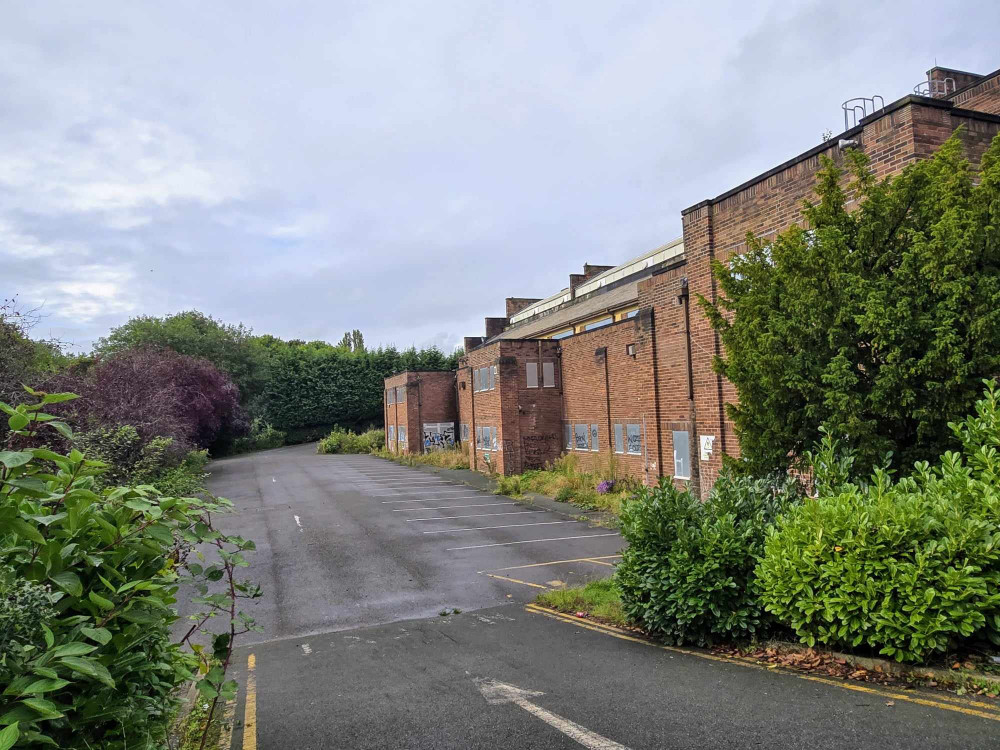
(532, 417)
(405, 413)
(481, 408)
(717, 229)
(983, 97)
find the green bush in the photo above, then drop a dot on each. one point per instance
(688, 571)
(343, 441)
(907, 568)
(93, 572)
(262, 436)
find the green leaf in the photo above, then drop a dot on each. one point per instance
(23, 529)
(100, 601)
(63, 429)
(9, 736)
(11, 459)
(46, 708)
(18, 421)
(73, 649)
(68, 582)
(45, 685)
(89, 668)
(49, 638)
(101, 635)
(58, 398)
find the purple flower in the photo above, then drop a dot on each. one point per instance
(608, 485)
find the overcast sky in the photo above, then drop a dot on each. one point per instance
(401, 167)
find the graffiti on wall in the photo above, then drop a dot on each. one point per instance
(537, 449)
(439, 435)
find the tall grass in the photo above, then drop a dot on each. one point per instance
(565, 481)
(343, 441)
(453, 458)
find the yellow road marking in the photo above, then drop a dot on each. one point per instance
(600, 562)
(250, 710)
(557, 562)
(516, 580)
(933, 703)
(226, 735)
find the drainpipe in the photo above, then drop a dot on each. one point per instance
(420, 417)
(656, 400)
(472, 434)
(693, 408)
(607, 398)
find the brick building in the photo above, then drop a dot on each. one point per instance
(420, 411)
(619, 363)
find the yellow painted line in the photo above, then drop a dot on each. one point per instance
(516, 580)
(226, 735)
(600, 562)
(556, 562)
(250, 710)
(993, 712)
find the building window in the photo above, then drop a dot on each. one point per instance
(549, 374)
(493, 376)
(475, 380)
(629, 315)
(562, 334)
(594, 444)
(531, 372)
(493, 439)
(682, 454)
(581, 431)
(619, 439)
(390, 396)
(568, 434)
(598, 324)
(633, 439)
(479, 438)
(400, 394)
(401, 434)
(392, 433)
(630, 350)
(464, 433)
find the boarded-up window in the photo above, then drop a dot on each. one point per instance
(493, 438)
(465, 433)
(479, 438)
(581, 431)
(392, 433)
(594, 444)
(495, 378)
(390, 396)
(400, 394)
(633, 437)
(568, 434)
(531, 369)
(619, 439)
(401, 432)
(548, 374)
(492, 372)
(682, 454)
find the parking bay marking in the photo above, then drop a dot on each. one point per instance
(506, 526)
(445, 507)
(527, 541)
(558, 562)
(434, 499)
(477, 515)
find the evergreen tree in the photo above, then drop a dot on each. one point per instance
(878, 323)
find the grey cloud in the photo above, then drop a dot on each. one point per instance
(402, 167)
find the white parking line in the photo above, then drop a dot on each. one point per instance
(432, 499)
(444, 507)
(475, 515)
(531, 541)
(507, 526)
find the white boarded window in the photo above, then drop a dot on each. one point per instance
(594, 444)
(493, 377)
(390, 396)
(464, 433)
(598, 324)
(549, 374)
(400, 394)
(531, 370)
(682, 454)
(493, 438)
(633, 439)
(581, 431)
(392, 433)
(479, 437)
(401, 432)
(568, 434)
(619, 439)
